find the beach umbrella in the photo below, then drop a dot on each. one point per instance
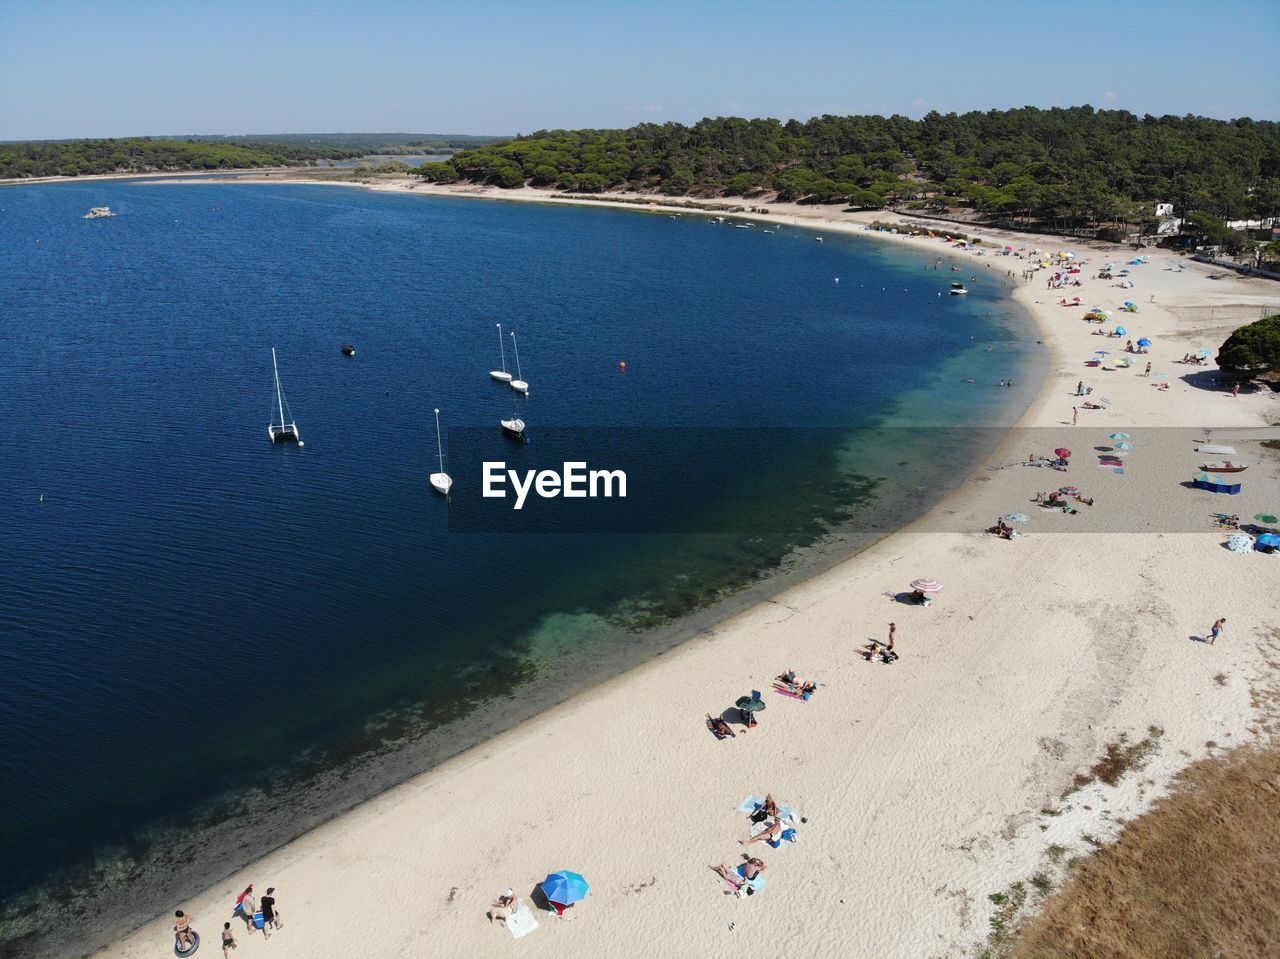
(749, 704)
(1144, 342)
(1121, 330)
(1266, 518)
(1269, 539)
(564, 888)
(1017, 518)
(1123, 445)
(1118, 436)
(1204, 353)
(1240, 543)
(926, 586)
(1102, 352)
(1062, 451)
(1068, 490)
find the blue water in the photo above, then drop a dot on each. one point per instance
(191, 609)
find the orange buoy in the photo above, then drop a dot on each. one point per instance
(622, 364)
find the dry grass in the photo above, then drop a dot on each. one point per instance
(1119, 758)
(1198, 876)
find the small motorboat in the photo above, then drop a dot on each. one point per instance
(514, 427)
(957, 289)
(348, 349)
(1227, 467)
(99, 213)
(818, 239)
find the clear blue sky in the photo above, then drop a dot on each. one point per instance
(133, 67)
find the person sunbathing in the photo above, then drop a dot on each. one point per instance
(1090, 406)
(508, 904)
(764, 835)
(770, 806)
(1088, 501)
(795, 685)
(721, 728)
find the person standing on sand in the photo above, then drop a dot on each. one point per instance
(1235, 390)
(270, 913)
(1075, 415)
(246, 907)
(1147, 371)
(1216, 630)
(893, 633)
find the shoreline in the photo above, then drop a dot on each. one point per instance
(451, 777)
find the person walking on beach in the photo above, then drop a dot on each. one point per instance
(228, 940)
(1075, 415)
(1147, 371)
(1216, 630)
(893, 633)
(245, 908)
(270, 912)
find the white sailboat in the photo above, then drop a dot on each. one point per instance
(514, 426)
(502, 376)
(285, 432)
(518, 383)
(441, 482)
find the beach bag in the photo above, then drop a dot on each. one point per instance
(789, 835)
(759, 815)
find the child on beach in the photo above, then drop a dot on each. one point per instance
(228, 940)
(1216, 630)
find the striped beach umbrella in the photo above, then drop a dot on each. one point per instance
(1117, 436)
(1124, 445)
(926, 586)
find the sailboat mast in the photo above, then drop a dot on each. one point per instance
(515, 346)
(279, 397)
(502, 348)
(439, 447)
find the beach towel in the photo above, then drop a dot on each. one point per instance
(521, 922)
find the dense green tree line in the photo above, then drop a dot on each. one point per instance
(143, 154)
(1067, 166)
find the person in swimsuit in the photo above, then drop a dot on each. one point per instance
(507, 905)
(750, 869)
(228, 940)
(246, 907)
(764, 835)
(182, 927)
(1216, 630)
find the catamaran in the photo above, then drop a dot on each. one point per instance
(518, 383)
(441, 482)
(501, 375)
(286, 431)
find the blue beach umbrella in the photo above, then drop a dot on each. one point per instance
(1123, 445)
(1205, 353)
(1269, 539)
(565, 887)
(1144, 342)
(1121, 331)
(1118, 436)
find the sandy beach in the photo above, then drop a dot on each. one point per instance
(927, 785)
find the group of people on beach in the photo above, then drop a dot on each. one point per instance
(262, 914)
(773, 829)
